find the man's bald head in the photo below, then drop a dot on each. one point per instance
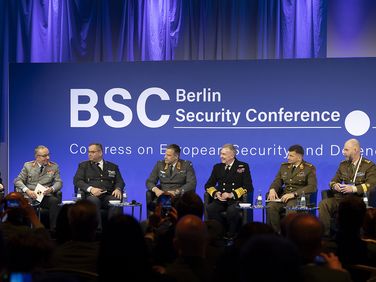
(306, 232)
(351, 150)
(190, 236)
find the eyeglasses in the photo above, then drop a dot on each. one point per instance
(92, 152)
(43, 156)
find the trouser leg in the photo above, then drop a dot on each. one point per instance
(233, 219)
(327, 212)
(52, 204)
(98, 204)
(214, 210)
(273, 215)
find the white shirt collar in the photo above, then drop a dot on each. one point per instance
(230, 165)
(100, 163)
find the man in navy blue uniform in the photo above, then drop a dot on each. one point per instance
(100, 180)
(228, 182)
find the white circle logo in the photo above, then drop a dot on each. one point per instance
(357, 123)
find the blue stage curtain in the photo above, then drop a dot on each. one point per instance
(218, 30)
(292, 29)
(143, 30)
(120, 30)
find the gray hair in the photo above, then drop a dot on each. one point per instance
(231, 147)
(39, 147)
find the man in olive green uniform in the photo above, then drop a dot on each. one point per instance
(172, 176)
(355, 176)
(293, 178)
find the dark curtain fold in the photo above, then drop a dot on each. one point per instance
(143, 30)
(292, 29)
(218, 30)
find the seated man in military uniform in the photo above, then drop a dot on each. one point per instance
(100, 181)
(228, 182)
(355, 176)
(172, 175)
(46, 173)
(293, 178)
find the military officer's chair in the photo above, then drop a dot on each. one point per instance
(150, 206)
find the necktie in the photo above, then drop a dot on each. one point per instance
(293, 169)
(171, 169)
(227, 169)
(41, 169)
(99, 167)
(353, 169)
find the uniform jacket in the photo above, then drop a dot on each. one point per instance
(30, 176)
(183, 177)
(238, 180)
(303, 179)
(89, 174)
(365, 178)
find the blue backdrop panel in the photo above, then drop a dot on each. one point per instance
(261, 106)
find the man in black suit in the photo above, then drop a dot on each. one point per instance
(228, 182)
(100, 180)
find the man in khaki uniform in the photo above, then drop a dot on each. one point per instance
(355, 176)
(293, 178)
(42, 171)
(172, 176)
